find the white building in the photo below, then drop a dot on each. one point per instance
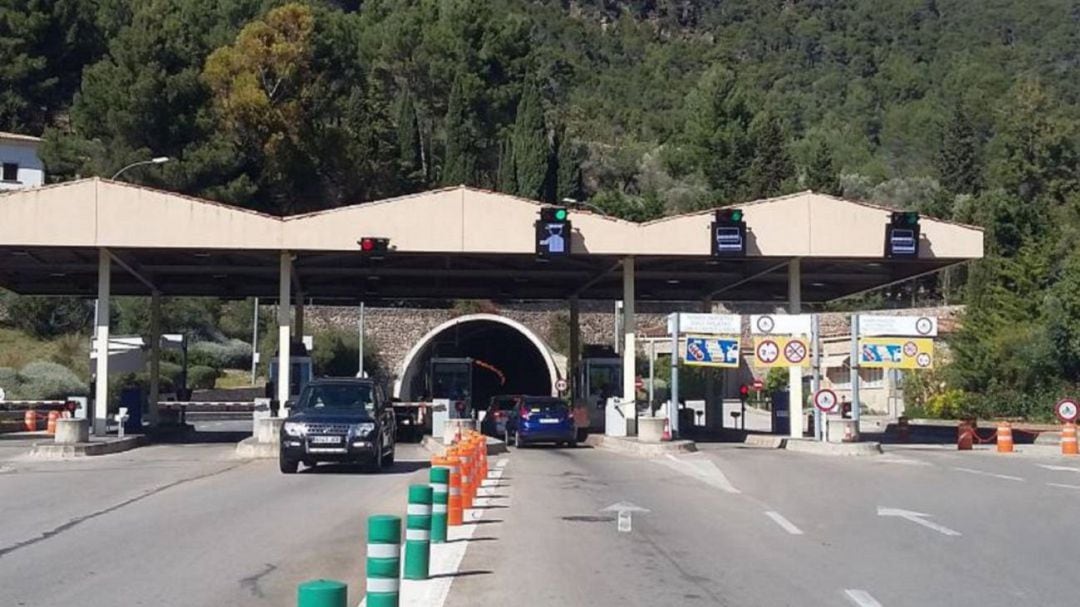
(20, 166)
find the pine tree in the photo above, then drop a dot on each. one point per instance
(568, 157)
(532, 153)
(459, 164)
(410, 150)
(958, 157)
(771, 166)
(821, 174)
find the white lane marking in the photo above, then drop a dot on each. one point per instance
(982, 473)
(783, 522)
(902, 460)
(702, 469)
(1064, 486)
(862, 598)
(446, 558)
(1058, 468)
(917, 518)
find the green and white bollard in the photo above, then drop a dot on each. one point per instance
(418, 533)
(440, 487)
(322, 593)
(383, 560)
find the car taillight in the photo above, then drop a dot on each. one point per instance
(500, 415)
(524, 413)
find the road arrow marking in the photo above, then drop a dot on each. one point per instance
(1058, 468)
(917, 518)
(982, 473)
(783, 522)
(862, 598)
(626, 511)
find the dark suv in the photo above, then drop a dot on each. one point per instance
(338, 420)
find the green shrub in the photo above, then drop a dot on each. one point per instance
(170, 371)
(201, 377)
(335, 354)
(233, 354)
(48, 380)
(9, 379)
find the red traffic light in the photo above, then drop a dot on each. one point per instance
(744, 390)
(370, 244)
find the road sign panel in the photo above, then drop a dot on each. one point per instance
(780, 324)
(781, 352)
(561, 385)
(907, 326)
(795, 352)
(826, 400)
(712, 351)
(896, 353)
(767, 352)
(759, 385)
(1067, 410)
(709, 324)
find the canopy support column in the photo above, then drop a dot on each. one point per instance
(795, 391)
(284, 332)
(572, 365)
(101, 343)
(155, 356)
(629, 352)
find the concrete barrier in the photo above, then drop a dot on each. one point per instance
(631, 446)
(104, 447)
(767, 441)
(70, 431)
(806, 445)
(268, 429)
(265, 441)
(651, 429)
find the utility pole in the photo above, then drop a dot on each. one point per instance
(255, 342)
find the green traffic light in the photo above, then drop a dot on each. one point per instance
(560, 214)
(736, 215)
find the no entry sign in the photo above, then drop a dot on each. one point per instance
(826, 400)
(1066, 410)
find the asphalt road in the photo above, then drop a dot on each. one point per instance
(740, 526)
(185, 525)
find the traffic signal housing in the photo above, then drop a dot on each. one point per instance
(902, 235)
(370, 245)
(553, 232)
(728, 233)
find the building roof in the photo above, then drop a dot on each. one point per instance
(5, 136)
(449, 243)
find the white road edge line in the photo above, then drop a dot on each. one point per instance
(862, 598)
(1064, 486)
(992, 474)
(783, 522)
(447, 558)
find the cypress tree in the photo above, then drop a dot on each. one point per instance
(410, 150)
(958, 157)
(771, 166)
(459, 164)
(506, 178)
(821, 174)
(530, 145)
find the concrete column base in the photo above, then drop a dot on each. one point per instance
(268, 430)
(651, 429)
(70, 431)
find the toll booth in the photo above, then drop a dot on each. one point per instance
(300, 371)
(451, 382)
(600, 379)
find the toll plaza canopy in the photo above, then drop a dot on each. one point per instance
(452, 243)
(101, 238)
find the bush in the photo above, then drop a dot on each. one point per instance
(170, 371)
(233, 354)
(9, 380)
(48, 380)
(46, 317)
(201, 377)
(335, 354)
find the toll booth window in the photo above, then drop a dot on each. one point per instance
(9, 171)
(450, 381)
(350, 397)
(605, 382)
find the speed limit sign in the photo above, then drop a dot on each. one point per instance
(826, 400)
(1066, 410)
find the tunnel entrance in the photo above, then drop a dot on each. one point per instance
(507, 358)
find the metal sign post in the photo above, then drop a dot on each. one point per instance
(815, 378)
(674, 408)
(854, 365)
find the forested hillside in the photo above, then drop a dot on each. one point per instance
(962, 110)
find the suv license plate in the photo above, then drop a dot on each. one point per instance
(549, 420)
(325, 440)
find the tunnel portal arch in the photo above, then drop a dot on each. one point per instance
(528, 364)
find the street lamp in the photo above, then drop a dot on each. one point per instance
(155, 160)
(587, 205)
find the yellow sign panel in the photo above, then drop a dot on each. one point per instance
(896, 352)
(781, 352)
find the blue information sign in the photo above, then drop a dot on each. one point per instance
(712, 351)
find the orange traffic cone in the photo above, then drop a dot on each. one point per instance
(1004, 438)
(455, 514)
(1068, 439)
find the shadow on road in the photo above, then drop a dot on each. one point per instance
(343, 468)
(472, 539)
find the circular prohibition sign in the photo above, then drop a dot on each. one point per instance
(826, 400)
(795, 352)
(767, 351)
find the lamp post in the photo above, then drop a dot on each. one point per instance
(155, 160)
